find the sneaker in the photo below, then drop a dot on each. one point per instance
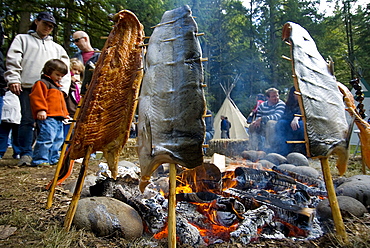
(43, 164)
(16, 156)
(25, 160)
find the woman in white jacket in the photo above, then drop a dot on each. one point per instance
(25, 59)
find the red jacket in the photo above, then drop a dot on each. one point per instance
(46, 95)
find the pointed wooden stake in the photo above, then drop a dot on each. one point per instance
(172, 208)
(337, 216)
(61, 158)
(77, 193)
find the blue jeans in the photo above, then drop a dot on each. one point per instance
(48, 141)
(5, 129)
(26, 128)
(284, 133)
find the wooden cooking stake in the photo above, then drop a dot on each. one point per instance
(337, 216)
(172, 208)
(77, 193)
(61, 159)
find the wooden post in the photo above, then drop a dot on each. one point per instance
(172, 208)
(77, 193)
(61, 160)
(337, 216)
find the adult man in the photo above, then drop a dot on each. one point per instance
(225, 127)
(25, 59)
(88, 55)
(263, 128)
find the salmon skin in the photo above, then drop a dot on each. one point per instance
(111, 98)
(171, 128)
(321, 102)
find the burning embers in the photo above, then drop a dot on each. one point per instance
(239, 205)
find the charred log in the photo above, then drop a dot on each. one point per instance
(290, 213)
(254, 220)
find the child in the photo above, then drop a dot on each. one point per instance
(74, 97)
(10, 119)
(49, 109)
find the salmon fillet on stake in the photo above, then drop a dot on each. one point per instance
(171, 128)
(111, 99)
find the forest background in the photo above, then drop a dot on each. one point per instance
(242, 42)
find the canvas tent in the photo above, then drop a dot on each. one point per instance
(236, 118)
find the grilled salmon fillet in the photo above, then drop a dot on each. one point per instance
(171, 128)
(111, 99)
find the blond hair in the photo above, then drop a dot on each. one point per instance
(76, 64)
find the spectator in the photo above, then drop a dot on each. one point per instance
(210, 131)
(25, 59)
(290, 127)
(10, 119)
(262, 129)
(49, 109)
(260, 98)
(225, 127)
(3, 84)
(87, 55)
(74, 97)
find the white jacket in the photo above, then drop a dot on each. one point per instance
(26, 58)
(11, 109)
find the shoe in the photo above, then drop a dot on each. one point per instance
(25, 160)
(43, 164)
(40, 165)
(16, 156)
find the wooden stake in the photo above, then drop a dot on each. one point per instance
(172, 208)
(77, 193)
(61, 159)
(337, 216)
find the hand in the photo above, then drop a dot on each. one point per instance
(41, 115)
(15, 88)
(295, 123)
(257, 122)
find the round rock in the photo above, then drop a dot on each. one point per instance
(297, 158)
(358, 189)
(108, 216)
(253, 155)
(276, 158)
(348, 206)
(266, 164)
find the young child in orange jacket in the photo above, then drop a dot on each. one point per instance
(49, 109)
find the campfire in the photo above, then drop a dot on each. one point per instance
(241, 204)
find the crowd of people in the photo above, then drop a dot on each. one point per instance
(36, 107)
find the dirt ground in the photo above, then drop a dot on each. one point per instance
(24, 221)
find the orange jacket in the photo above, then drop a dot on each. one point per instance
(46, 95)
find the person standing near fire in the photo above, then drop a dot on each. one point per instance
(25, 60)
(225, 127)
(262, 130)
(87, 55)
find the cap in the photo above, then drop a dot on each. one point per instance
(46, 17)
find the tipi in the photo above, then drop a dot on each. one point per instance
(236, 118)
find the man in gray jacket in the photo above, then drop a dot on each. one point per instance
(25, 59)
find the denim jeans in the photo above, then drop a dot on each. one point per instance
(48, 141)
(26, 128)
(285, 133)
(5, 129)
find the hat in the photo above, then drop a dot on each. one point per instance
(46, 17)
